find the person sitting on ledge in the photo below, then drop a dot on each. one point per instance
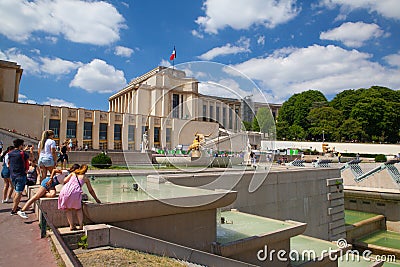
(48, 186)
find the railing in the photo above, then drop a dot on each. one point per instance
(369, 173)
(394, 172)
(43, 229)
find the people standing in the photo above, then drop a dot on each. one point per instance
(47, 154)
(70, 198)
(5, 174)
(48, 186)
(19, 165)
(63, 155)
(70, 144)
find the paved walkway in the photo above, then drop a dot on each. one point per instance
(21, 244)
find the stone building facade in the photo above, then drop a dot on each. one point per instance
(163, 102)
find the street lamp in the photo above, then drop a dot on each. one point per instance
(323, 136)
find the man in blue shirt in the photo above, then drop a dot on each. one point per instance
(18, 158)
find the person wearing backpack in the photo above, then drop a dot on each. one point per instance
(19, 165)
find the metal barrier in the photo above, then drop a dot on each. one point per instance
(43, 229)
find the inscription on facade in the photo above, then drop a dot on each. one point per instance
(54, 112)
(72, 113)
(103, 116)
(88, 115)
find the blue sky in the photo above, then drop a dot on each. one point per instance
(78, 53)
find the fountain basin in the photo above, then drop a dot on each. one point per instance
(243, 235)
(126, 211)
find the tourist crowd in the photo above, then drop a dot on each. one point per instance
(21, 169)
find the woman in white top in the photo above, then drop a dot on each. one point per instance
(47, 154)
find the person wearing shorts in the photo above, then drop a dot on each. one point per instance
(47, 154)
(18, 168)
(48, 186)
(5, 174)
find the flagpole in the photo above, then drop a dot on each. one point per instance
(173, 61)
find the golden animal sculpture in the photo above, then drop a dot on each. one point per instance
(198, 141)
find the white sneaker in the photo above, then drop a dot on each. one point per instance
(4, 201)
(22, 214)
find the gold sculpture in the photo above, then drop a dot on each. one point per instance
(199, 140)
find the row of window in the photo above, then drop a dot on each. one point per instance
(88, 133)
(211, 115)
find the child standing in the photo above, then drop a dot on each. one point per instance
(71, 196)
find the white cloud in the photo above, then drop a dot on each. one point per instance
(92, 22)
(24, 99)
(58, 102)
(58, 66)
(50, 101)
(261, 40)
(223, 88)
(243, 45)
(165, 63)
(353, 34)
(51, 39)
(393, 59)
(123, 51)
(28, 64)
(329, 69)
(197, 34)
(41, 65)
(241, 14)
(98, 76)
(386, 8)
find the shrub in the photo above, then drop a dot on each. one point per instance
(380, 158)
(101, 161)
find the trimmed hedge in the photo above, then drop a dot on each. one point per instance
(380, 158)
(101, 161)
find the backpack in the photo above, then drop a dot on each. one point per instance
(26, 162)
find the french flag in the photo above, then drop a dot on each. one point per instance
(173, 55)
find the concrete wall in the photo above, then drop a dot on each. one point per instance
(195, 229)
(365, 227)
(300, 194)
(105, 235)
(380, 201)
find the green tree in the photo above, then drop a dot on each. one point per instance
(282, 130)
(351, 130)
(255, 126)
(370, 113)
(266, 121)
(345, 101)
(325, 121)
(296, 132)
(295, 110)
(246, 125)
